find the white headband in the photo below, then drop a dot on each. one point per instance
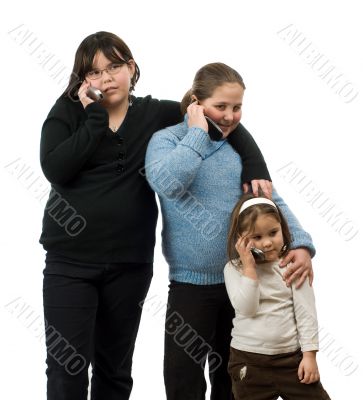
(254, 201)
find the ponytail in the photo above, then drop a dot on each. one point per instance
(186, 101)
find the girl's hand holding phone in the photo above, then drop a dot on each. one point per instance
(82, 94)
(243, 247)
(196, 116)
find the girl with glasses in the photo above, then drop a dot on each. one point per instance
(100, 218)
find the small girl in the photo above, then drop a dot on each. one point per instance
(275, 333)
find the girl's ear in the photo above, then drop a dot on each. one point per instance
(194, 98)
(131, 66)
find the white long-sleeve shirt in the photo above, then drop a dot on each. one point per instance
(270, 317)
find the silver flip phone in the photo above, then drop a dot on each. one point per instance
(94, 94)
(258, 254)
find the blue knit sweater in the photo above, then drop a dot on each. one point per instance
(199, 182)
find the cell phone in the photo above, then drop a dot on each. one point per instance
(215, 132)
(258, 254)
(94, 94)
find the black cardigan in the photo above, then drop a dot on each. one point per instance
(101, 208)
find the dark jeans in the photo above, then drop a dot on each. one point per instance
(263, 377)
(92, 314)
(198, 327)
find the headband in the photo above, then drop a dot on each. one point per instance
(254, 201)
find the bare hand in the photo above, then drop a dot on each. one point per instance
(300, 267)
(259, 185)
(308, 371)
(82, 94)
(243, 247)
(196, 116)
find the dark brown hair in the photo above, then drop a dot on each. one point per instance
(111, 46)
(245, 222)
(207, 79)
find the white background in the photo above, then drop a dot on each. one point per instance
(293, 113)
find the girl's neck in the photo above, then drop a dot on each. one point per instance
(267, 261)
(117, 114)
(117, 111)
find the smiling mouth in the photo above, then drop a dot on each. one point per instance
(225, 127)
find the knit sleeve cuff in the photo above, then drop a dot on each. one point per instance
(96, 109)
(303, 241)
(97, 118)
(309, 347)
(198, 140)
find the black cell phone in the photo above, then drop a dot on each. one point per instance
(94, 94)
(258, 254)
(215, 132)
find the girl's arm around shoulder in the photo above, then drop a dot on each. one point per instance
(170, 113)
(65, 144)
(243, 292)
(301, 249)
(300, 238)
(254, 172)
(254, 165)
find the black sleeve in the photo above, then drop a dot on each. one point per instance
(254, 165)
(64, 146)
(170, 113)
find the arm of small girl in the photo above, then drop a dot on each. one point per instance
(308, 371)
(244, 293)
(258, 186)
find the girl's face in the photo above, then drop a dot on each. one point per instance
(267, 236)
(116, 86)
(225, 106)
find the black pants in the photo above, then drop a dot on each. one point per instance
(263, 377)
(198, 327)
(92, 314)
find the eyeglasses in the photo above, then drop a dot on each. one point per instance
(112, 69)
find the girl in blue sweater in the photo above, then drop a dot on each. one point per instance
(198, 183)
(100, 218)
